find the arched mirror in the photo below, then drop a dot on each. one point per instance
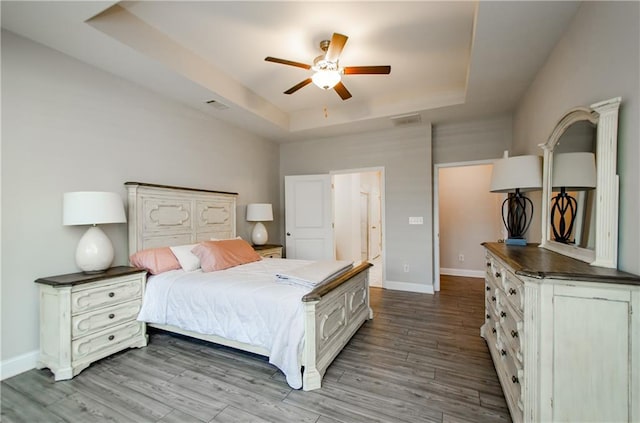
(580, 185)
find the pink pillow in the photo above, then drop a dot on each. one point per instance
(220, 255)
(155, 260)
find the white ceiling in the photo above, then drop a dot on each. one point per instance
(450, 61)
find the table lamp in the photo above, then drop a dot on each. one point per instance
(516, 175)
(95, 250)
(259, 212)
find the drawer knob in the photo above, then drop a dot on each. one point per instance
(498, 274)
(512, 291)
(488, 316)
(488, 264)
(112, 337)
(514, 379)
(503, 314)
(514, 334)
(503, 353)
(488, 288)
(112, 294)
(493, 330)
(493, 298)
(111, 316)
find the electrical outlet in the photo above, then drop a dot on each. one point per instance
(461, 257)
(406, 268)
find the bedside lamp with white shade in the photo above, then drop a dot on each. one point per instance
(95, 250)
(259, 212)
(514, 176)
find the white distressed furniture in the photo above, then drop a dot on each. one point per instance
(564, 336)
(86, 317)
(161, 215)
(269, 250)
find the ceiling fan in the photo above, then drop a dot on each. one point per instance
(327, 71)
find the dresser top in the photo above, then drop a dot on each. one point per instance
(81, 277)
(539, 263)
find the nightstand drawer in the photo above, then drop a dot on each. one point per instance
(103, 295)
(101, 343)
(271, 254)
(269, 251)
(86, 323)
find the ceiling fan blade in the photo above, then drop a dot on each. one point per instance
(335, 47)
(367, 70)
(298, 86)
(287, 62)
(342, 91)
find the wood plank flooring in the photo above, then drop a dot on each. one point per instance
(421, 359)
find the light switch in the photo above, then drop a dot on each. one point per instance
(416, 220)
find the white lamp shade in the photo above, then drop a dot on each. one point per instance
(259, 212)
(92, 208)
(574, 171)
(518, 172)
(326, 79)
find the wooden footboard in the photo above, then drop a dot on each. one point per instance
(333, 313)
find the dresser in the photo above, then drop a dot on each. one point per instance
(269, 250)
(564, 336)
(86, 317)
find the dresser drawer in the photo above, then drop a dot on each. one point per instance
(93, 321)
(512, 333)
(102, 343)
(513, 288)
(513, 382)
(104, 295)
(490, 293)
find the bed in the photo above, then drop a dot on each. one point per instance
(331, 313)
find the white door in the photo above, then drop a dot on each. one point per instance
(308, 217)
(375, 230)
(364, 226)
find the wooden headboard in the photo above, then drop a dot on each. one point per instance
(161, 215)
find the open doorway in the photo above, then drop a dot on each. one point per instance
(358, 203)
(465, 215)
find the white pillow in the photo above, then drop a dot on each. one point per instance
(188, 261)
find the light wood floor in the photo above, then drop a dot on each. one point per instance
(421, 359)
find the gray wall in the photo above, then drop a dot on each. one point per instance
(473, 140)
(67, 126)
(469, 215)
(405, 154)
(597, 58)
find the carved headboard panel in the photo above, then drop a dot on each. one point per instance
(161, 215)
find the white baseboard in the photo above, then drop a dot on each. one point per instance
(467, 273)
(408, 286)
(20, 364)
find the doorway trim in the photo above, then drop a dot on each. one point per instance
(383, 227)
(436, 212)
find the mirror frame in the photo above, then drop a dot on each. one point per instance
(604, 115)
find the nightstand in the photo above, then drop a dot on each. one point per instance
(86, 317)
(269, 250)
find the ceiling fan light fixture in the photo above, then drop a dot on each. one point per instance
(326, 79)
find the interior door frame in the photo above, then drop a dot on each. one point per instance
(383, 228)
(436, 212)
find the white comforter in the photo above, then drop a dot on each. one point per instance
(243, 303)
